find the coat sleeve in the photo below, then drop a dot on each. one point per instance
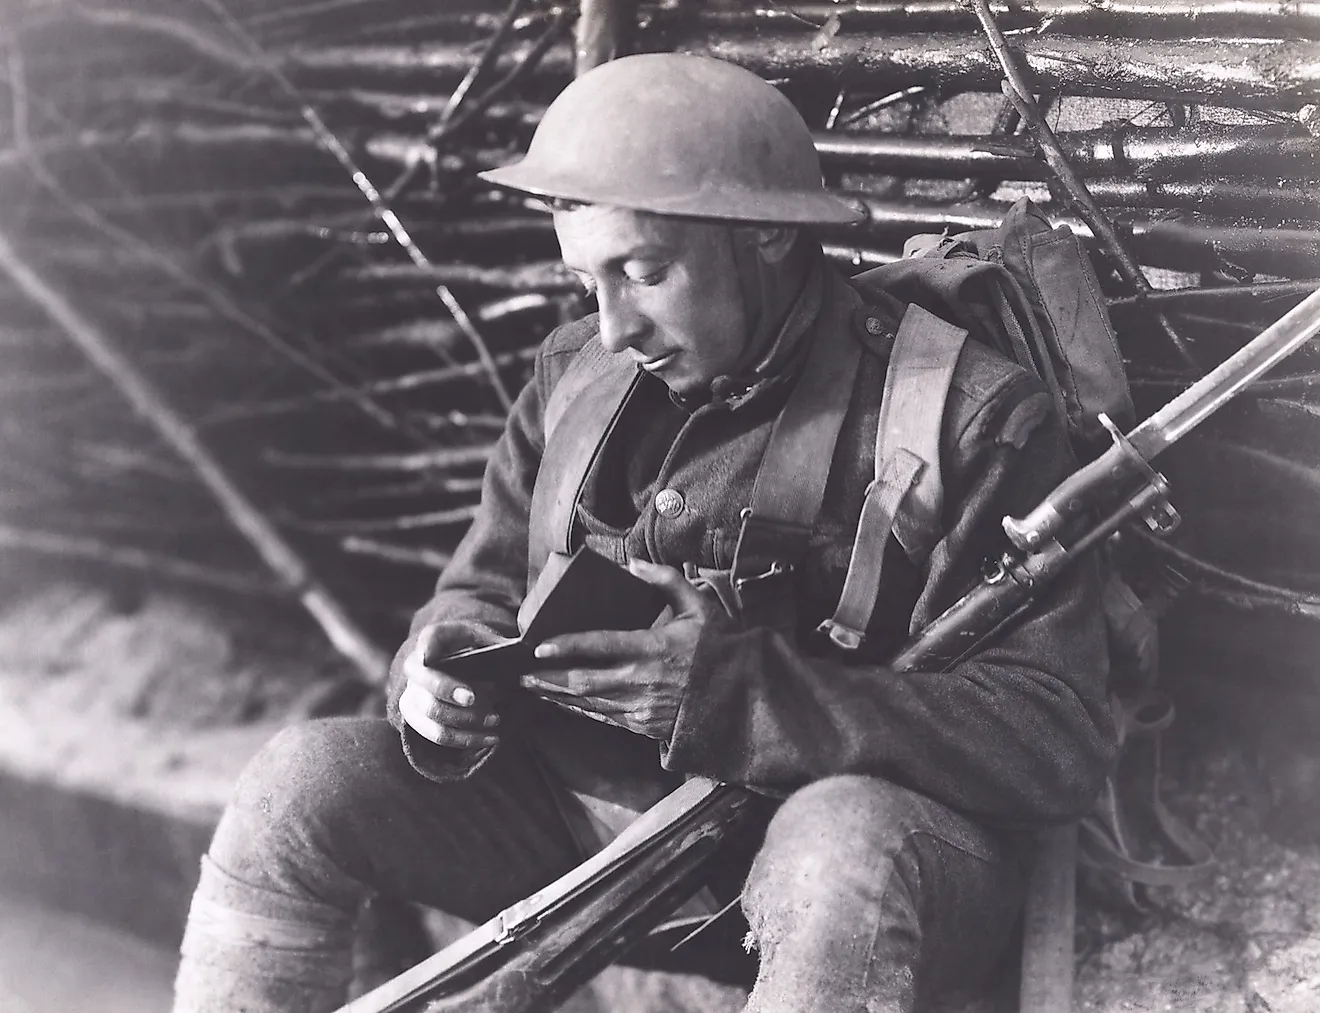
(477, 596)
(1017, 735)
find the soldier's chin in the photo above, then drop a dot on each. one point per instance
(686, 386)
(681, 381)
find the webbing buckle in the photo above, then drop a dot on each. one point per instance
(842, 636)
(764, 541)
(773, 570)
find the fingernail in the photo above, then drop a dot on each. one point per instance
(492, 720)
(464, 697)
(491, 740)
(546, 650)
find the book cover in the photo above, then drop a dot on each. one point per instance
(574, 594)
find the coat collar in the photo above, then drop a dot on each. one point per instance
(784, 358)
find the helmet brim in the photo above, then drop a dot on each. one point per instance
(723, 203)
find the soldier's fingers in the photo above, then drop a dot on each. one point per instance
(441, 686)
(566, 682)
(418, 709)
(597, 682)
(449, 716)
(602, 645)
(414, 709)
(683, 597)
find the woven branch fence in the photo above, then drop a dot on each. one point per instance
(260, 323)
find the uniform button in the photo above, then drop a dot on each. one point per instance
(874, 325)
(669, 503)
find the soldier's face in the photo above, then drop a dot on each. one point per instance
(668, 290)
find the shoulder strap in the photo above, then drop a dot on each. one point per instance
(603, 384)
(588, 363)
(907, 495)
(790, 483)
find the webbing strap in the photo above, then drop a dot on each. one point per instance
(790, 483)
(1104, 843)
(598, 385)
(861, 587)
(802, 440)
(907, 495)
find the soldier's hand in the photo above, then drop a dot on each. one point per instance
(443, 709)
(634, 679)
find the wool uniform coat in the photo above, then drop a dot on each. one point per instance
(1018, 735)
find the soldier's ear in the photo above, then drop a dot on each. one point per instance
(773, 243)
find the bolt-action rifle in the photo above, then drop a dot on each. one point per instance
(531, 956)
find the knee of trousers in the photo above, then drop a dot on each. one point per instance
(299, 799)
(836, 837)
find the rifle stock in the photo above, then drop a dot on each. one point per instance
(531, 956)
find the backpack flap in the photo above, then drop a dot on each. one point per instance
(950, 281)
(1028, 291)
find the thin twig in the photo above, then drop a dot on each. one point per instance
(487, 58)
(169, 28)
(292, 571)
(51, 543)
(406, 554)
(421, 460)
(171, 268)
(1300, 384)
(410, 522)
(1196, 296)
(412, 381)
(524, 66)
(436, 333)
(907, 94)
(1019, 92)
(1264, 595)
(330, 141)
(408, 489)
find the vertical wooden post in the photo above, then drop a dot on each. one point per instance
(1049, 920)
(604, 31)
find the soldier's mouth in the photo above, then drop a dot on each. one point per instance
(659, 362)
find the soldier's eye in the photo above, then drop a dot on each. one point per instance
(646, 274)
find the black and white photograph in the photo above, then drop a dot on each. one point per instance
(659, 506)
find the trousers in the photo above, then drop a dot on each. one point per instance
(862, 896)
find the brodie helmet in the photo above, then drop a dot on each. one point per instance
(675, 134)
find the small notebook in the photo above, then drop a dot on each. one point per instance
(574, 594)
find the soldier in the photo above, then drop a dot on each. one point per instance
(683, 192)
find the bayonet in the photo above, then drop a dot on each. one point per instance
(1126, 464)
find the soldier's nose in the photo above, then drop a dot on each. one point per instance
(621, 327)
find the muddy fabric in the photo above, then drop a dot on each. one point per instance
(329, 813)
(248, 948)
(867, 898)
